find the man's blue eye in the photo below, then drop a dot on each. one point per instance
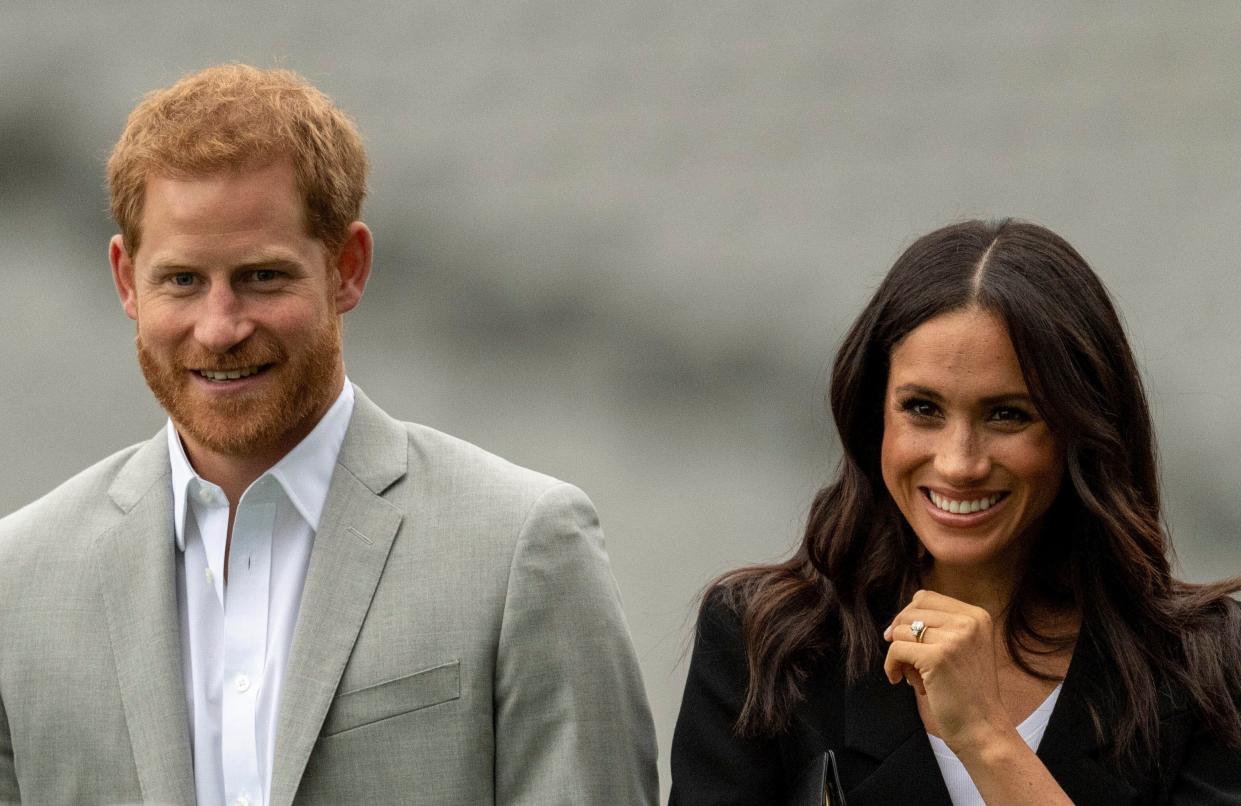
(264, 275)
(183, 279)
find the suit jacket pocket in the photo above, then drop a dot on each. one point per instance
(412, 692)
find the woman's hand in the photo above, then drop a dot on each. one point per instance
(954, 666)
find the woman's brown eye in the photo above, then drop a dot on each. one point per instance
(919, 408)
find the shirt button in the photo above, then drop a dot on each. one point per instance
(206, 495)
(241, 682)
(210, 576)
(242, 800)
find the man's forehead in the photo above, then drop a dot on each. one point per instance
(228, 197)
(234, 218)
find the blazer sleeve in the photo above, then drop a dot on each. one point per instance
(1210, 773)
(711, 764)
(572, 723)
(8, 773)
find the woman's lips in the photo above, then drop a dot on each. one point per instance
(962, 510)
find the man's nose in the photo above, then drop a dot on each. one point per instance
(223, 322)
(961, 457)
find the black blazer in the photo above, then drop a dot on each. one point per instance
(882, 749)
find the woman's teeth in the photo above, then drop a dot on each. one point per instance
(963, 507)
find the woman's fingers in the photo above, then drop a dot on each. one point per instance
(930, 619)
(934, 610)
(905, 657)
(902, 627)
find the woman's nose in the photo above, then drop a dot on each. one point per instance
(961, 456)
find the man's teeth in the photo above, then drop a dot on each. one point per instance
(229, 375)
(963, 507)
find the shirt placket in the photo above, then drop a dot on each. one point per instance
(245, 641)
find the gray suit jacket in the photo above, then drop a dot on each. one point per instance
(460, 639)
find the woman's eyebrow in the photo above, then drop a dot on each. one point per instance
(1009, 397)
(916, 389)
(1015, 396)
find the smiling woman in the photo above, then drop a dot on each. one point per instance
(994, 539)
(966, 457)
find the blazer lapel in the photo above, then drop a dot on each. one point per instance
(350, 550)
(1070, 749)
(138, 584)
(881, 721)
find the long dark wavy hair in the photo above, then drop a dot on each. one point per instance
(1103, 549)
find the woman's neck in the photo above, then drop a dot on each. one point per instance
(982, 588)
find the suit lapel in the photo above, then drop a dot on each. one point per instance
(350, 550)
(881, 721)
(138, 585)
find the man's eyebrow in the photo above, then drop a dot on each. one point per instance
(257, 262)
(272, 262)
(170, 266)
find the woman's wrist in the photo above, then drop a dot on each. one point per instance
(989, 746)
(1006, 770)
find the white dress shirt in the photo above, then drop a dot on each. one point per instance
(960, 786)
(235, 639)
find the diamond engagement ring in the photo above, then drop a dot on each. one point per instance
(918, 628)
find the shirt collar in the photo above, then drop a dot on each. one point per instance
(304, 473)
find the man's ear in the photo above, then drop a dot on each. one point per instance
(353, 267)
(123, 276)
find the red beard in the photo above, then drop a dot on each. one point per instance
(299, 390)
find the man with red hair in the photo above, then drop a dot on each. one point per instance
(287, 596)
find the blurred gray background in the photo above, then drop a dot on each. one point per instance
(620, 242)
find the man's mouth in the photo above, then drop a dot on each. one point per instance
(232, 374)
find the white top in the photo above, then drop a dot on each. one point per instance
(235, 639)
(960, 786)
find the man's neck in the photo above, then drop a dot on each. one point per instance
(234, 473)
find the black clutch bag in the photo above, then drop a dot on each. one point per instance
(818, 784)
